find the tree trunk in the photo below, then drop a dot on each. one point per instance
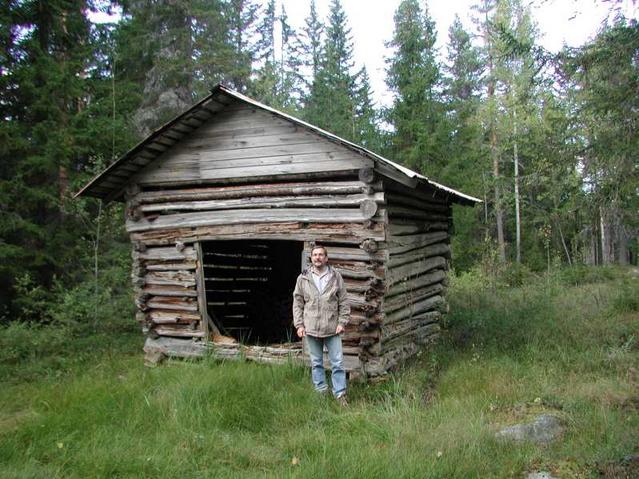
(517, 210)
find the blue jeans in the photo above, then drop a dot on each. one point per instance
(316, 352)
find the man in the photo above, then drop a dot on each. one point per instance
(320, 314)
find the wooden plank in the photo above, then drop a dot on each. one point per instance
(285, 167)
(265, 138)
(206, 326)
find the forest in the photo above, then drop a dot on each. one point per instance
(547, 140)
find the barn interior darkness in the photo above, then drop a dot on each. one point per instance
(249, 288)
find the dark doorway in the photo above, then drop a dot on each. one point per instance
(249, 287)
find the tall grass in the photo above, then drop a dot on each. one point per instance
(509, 353)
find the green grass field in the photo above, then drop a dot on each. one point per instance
(566, 343)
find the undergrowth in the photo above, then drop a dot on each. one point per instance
(552, 344)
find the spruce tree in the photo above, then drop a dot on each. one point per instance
(330, 104)
(42, 88)
(413, 76)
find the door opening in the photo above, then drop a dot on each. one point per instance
(249, 288)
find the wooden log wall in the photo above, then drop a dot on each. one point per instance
(418, 246)
(166, 226)
(164, 280)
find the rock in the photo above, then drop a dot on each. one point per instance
(544, 429)
(540, 475)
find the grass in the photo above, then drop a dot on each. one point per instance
(553, 345)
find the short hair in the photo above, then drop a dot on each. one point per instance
(319, 246)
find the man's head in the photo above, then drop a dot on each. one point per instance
(319, 257)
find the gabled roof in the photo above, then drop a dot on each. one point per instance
(109, 184)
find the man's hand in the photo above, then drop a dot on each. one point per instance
(301, 332)
(339, 329)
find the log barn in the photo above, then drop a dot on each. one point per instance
(223, 204)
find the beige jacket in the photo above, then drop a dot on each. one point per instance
(320, 313)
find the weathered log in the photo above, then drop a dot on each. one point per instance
(389, 331)
(405, 287)
(170, 291)
(174, 347)
(358, 270)
(439, 249)
(394, 198)
(314, 201)
(420, 336)
(364, 285)
(177, 331)
(401, 273)
(399, 227)
(366, 175)
(329, 232)
(185, 266)
(354, 254)
(171, 278)
(402, 244)
(160, 317)
(434, 303)
(259, 190)
(423, 193)
(360, 300)
(369, 245)
(171, 303)
(235, 217)
(167, 254)
(401, 300)
(413, 213)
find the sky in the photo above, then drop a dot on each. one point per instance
(569, 22)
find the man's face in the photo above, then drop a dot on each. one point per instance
(319, 258)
